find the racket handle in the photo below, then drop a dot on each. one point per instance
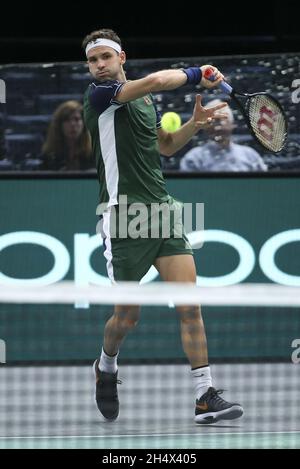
(225, 87)
(209, 75)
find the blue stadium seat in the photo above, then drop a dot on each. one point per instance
(27, 123)
(22, 146)
(6, 165)
(47, 103)
(34, 91)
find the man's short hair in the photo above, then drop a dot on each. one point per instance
(101, 33)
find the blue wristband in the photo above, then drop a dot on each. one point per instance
(194, 75)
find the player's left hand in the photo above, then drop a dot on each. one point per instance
(204, 116)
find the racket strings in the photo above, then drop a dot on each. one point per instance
(267, 122)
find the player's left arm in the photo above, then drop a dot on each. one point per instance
(169, 143)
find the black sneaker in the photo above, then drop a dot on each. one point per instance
(211, 407)
(106, 392)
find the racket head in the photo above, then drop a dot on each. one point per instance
(267, 121)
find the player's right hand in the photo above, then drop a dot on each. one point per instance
(211, 84)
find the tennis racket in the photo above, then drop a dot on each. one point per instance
(263, 114)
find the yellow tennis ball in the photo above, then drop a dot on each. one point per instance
(171, 121)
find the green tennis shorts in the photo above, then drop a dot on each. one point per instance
(135, 237)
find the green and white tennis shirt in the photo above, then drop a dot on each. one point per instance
(124, 140)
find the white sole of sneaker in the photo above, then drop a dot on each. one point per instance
(232, 413)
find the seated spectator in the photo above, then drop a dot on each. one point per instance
(219, 153)
(68, 143)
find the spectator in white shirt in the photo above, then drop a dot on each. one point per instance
(219, 153)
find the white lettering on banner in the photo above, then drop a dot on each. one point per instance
(267, 258)
(85, 245)
(59, 251)
(244, 249)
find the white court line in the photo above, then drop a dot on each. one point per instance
(145, 436)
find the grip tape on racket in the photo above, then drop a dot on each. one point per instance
(209, 75)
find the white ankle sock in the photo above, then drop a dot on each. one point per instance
(202, 380)
(107, 363)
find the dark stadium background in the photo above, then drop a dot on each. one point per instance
(52, 31)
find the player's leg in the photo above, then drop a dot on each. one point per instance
(210, 407)
(181, 268)
(116, 329)
(124, 319)
(127, 260)
(123, 264)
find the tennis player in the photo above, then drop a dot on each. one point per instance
(127, 141)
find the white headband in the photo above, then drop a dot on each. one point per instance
(103, 42)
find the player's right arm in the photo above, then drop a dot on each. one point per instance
(164, 80)
(114, 92)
